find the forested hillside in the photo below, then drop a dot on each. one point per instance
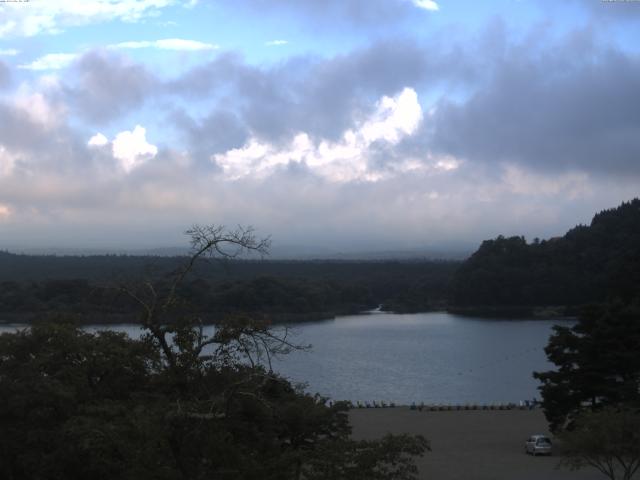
(587, 265)
(590, 264)
(282, 290)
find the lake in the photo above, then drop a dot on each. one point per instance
(427, 357)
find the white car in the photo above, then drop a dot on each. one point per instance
(538, 445)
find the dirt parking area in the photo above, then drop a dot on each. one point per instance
(471, 445)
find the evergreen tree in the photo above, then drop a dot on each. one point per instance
(598, 363)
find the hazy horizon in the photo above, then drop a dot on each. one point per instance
(334, 126)
(276, 252)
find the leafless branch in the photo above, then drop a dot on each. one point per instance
(217, 241)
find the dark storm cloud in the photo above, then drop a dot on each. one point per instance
(523, 116)
(344, 88)
(567, 104)
(568, 107)
(109, 85)
(322, 97)
(20, 131)
(42, 145)
(217, 132)
(208, 78)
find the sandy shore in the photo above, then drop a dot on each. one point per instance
(471, 445)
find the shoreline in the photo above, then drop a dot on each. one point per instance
(283, 318)
(446, 407)
(518, 312)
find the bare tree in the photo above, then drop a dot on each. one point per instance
(179, 403)
(181, 337)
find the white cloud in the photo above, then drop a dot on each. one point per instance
(394, 118)
(40, 110)
(98, 140)
(276, 43)
(426, 5)
(7, 162)
(345, 160)
(51, 61)
(132, 149)
(5, 211)
(447, 163)
(168, 44)
(34, 18)
(7, 27)
(9, 52)
(524, 182)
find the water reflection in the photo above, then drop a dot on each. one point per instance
(429, 357)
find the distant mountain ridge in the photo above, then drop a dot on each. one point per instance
(284, 290)
(588, 264)
(283, 252)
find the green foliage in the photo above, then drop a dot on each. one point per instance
(57, 382)
(103, 406)
(598, 363)
(608, 440)
(175, 404)
(589, 264)
(285, 291)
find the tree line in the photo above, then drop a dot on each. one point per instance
(284, 291)
(176, 404)
(588, 264)
(505, 275)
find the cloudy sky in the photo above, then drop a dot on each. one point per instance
(336, 124)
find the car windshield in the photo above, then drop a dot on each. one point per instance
(543, 441)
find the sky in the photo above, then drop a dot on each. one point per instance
(339, 125)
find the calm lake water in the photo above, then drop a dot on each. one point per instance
(426, 357)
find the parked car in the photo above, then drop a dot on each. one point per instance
(538, 445)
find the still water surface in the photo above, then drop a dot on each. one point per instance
(426, 357)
